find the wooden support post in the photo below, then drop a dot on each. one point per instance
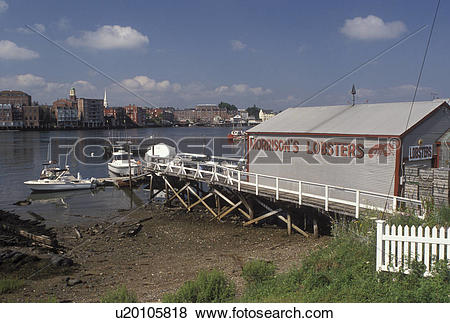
(263, 216)
(188, 197)
(315, 227)
(296, 228)
(229, 210)
(177, 194)
(150, 187)
(167, 191)
(217, 203)
(232, 203)
(289, 224)
(202, 200)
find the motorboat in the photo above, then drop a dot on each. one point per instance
(160, 153)
(123, 163)
(236, 135)
(54, 179)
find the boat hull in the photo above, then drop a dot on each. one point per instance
(122, 170)
(57, 187)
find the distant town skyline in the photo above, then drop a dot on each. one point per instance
(273, 54)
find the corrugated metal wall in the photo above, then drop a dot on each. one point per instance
(359, 163)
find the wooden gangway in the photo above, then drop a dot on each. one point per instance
(342, 200)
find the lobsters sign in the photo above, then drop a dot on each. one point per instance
(332, 148)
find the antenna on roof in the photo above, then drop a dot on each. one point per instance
(353, 94)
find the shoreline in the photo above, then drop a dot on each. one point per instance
(170, 247)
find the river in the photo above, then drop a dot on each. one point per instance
(23, 152)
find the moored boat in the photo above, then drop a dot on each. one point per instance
(122, 163)
(59, 179)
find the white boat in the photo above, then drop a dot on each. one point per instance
(59, 179)
(121, 163)
(160, 152)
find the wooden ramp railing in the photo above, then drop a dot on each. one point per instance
(348, 201)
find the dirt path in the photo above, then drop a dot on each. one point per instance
(170, 248)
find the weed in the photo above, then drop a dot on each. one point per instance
(209, 287)
(119, 295)
(257, 271)
(9, 285)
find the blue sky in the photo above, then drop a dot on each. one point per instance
(180, 53)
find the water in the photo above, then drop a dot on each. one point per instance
(23, 152)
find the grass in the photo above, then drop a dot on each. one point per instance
(343, 271)
(209, 287)
(434, 216)
(9, 285)
(119, 295)
(258, 271)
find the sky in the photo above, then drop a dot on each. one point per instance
(275, 54)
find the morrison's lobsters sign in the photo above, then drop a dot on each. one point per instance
(331, 147)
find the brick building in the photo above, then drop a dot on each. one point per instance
(66, 113)
(31, 116)
(204, 113)
(136, 114)
(10, 116)
(15, 98)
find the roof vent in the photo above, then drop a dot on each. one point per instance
(353, 94)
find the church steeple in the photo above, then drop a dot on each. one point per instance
(105, 101)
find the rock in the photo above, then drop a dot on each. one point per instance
(61, 261)
(23, 203)
(72, 281)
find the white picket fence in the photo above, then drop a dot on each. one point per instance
(398, 245)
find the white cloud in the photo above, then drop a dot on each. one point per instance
(83, 86)
(29, 82)
(39, 27)
(241, 89)
(110, 37)
(238, 45)
(3, 6)
(63, 23)
(144, 83)
(48, 90)
(9, 50)
(372, 28)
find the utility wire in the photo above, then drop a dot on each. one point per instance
(357, 68)
(78, 58)
(414, 96)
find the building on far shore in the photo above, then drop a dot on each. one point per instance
(31, 116)
(66, 113)
(136, 114)
(264, 116)
(90, 112)
(202, 113)
(15, 98)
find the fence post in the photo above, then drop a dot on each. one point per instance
(380, 229)
(358, 194)
(256, 184)
(326, 197)
(394, 203)
(277, 186)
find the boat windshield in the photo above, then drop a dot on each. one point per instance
(121, 157)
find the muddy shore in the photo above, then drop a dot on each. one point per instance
(151, 250)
